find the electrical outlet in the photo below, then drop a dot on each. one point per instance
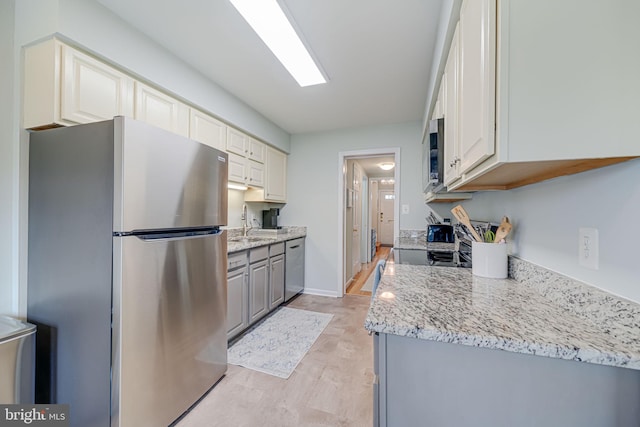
(588, 251)
(405, 209)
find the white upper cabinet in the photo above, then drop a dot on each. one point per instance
(477, 81)
(540, 98)
(256, 150)
(161, 110)
(237, 169)
(65, 87)
(451, 164)
(275, 179)
(245, 171)
(275, 185)
(255, 173)
(237, 142)
(204, 128)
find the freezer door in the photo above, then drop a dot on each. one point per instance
(169, 325)
(163, 180)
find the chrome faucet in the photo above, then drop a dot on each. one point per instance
(244, 218)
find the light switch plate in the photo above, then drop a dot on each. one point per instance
(588, 251)
(405, 209)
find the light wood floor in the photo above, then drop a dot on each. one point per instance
(332, 385)
(367, 269)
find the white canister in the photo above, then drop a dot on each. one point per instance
(489, 260)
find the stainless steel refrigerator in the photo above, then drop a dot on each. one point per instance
(127, 271)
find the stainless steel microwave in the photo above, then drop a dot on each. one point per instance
(433, 158)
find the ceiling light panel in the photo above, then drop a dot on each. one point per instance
(268, 20)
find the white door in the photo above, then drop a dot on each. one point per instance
(386, 202)
(357, 219)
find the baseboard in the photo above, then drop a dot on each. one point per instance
(320, 292)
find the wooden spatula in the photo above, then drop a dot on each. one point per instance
(503, 229)
(461, 215)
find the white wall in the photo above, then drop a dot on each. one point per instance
(547, 215)
(8, 160)
(312, 190)
(96, 29)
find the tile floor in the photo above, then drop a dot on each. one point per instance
(332, 385)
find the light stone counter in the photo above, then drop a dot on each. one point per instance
(260, 237)
(538, 312)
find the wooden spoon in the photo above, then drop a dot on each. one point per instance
(461, 215)
(503, 229)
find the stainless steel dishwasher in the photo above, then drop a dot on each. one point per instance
(294, 268)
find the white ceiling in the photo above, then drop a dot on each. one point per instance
(376, 53)
(371, 167)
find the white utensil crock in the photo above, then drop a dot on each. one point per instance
(489, 260)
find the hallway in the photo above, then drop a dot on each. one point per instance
(355, 288)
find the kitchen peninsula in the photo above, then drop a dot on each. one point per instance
(453, 349)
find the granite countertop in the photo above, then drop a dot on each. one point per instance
(410, 243)
(421, 244)
(537, 312)
(260, 237)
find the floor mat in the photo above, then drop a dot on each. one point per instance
(279, 343)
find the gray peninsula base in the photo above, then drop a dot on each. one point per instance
(429, 383)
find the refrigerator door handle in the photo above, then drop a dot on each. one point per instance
(157, 235)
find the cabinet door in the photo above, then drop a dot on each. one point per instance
(237, 169)
(477, 81)
(237, 142)
(450, 79)
(158, 109)
(256, 151)
(92, 91)
(206, 129)
(255, 173)
(237, 302)
(275, 183)
(276, 281)
(441, 103)
(258, 290)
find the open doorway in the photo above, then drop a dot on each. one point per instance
(368, 208)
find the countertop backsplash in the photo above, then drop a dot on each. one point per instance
(413, 234)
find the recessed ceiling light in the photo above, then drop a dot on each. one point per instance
(387, 166)
(268, 20)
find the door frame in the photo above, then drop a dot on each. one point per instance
(343, 156)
